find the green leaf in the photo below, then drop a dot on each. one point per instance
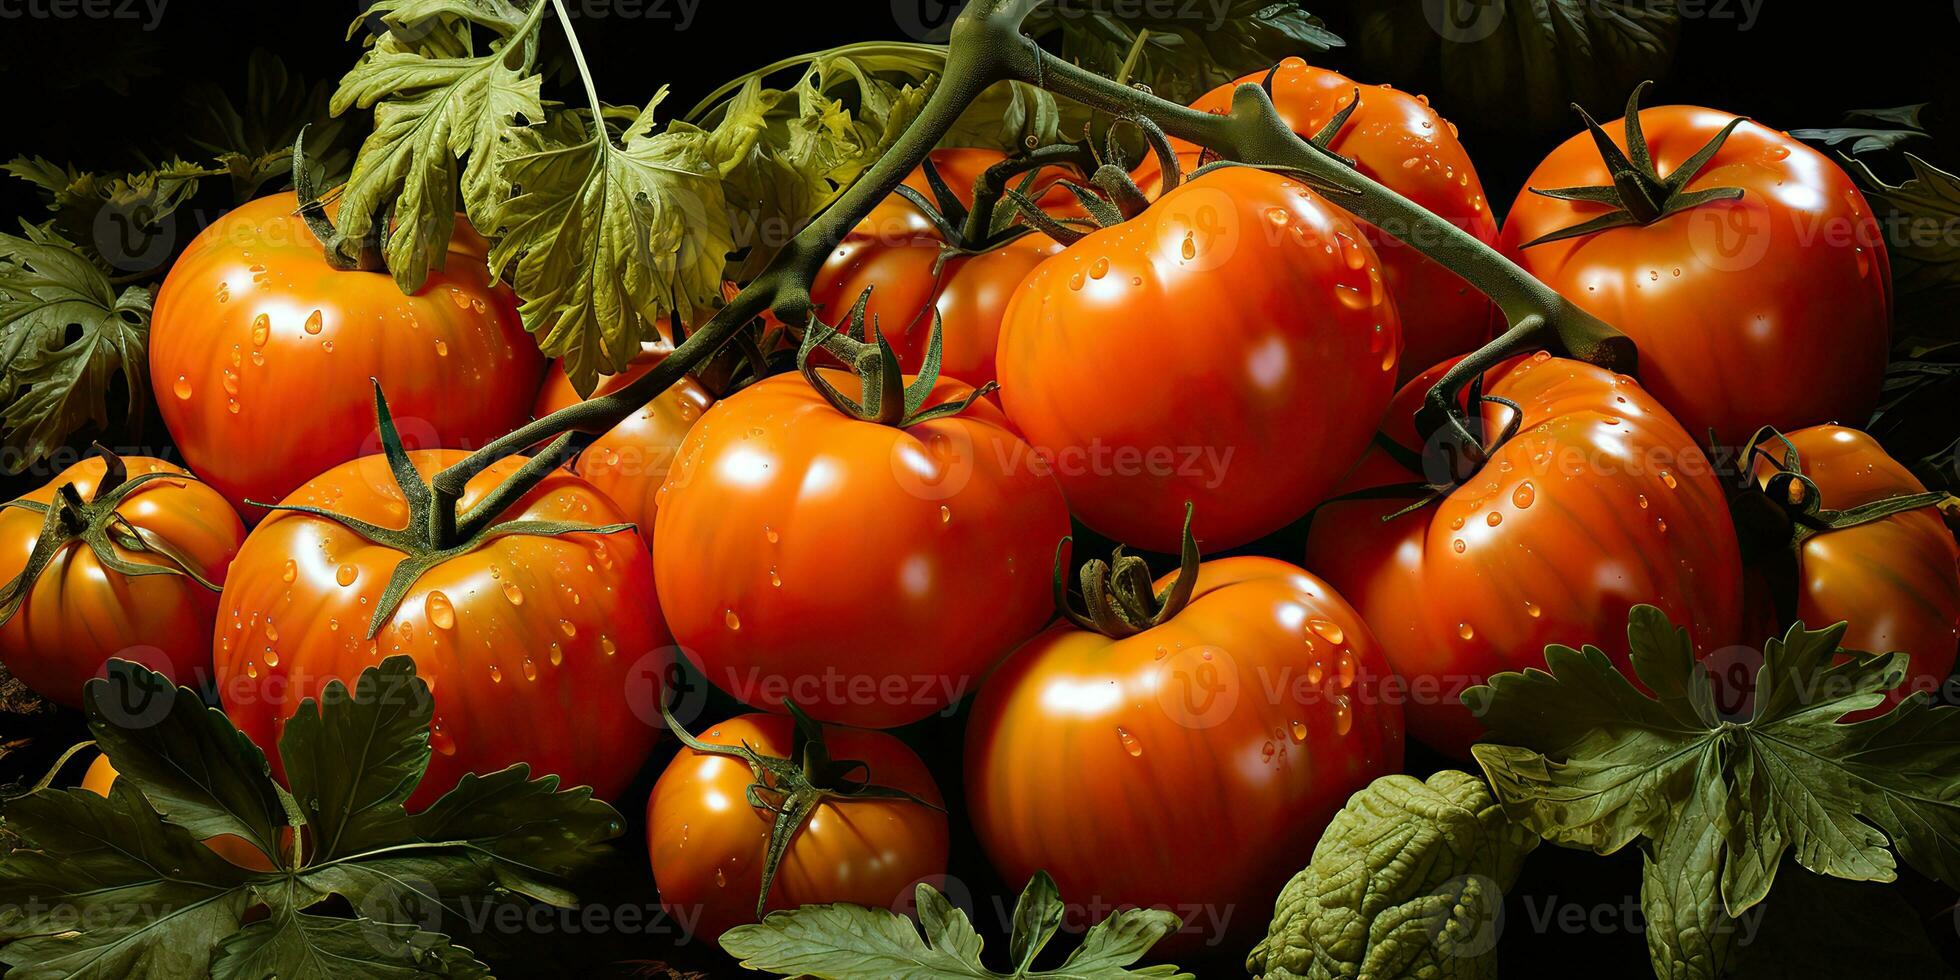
(55, 385)
(1191, 48)
(121, 214)
(1869, 130)
(113, 888)
(604, 240)
(105, 888)
(1407, 881)
(850, 942)
(431, 110)
(353, 758)
(298, 946)
(1006, 117)
(1925, 257)
(252, 140)
(1717, 804)
(202, 773)
(1518, 65)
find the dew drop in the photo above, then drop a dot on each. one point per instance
(1328, 630)
(182, 387)
(1668, 480)
(733, 621)
(1343, 715)
(945, 514)
(607, 646)
(1531, 609)
(566, 627)
(496, 674)
(1524, 495)
(513, 593)
(442, 348)
(1099, 269)
(770, 533)
(1459, 546)
(440, 611)
(1466, 631)
(271, 657)
(345, 575)
(315, 322)
(290, 572)
(530, 669)
(261, 330)
(1299, 731)
(557, 654)
(1493, 518)
(1190, 249)
(1130, 743)
(1642, 500)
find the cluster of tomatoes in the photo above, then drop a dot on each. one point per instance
(1205, 371)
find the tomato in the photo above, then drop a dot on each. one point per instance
(1397, 140)
(101, 776)
(78, 611)
(537, 648)
(1771, 309)
(261, 353)
(1232, 346)
(914, 278)
(1895, 580)
(629, 462)
(1192, 764)
(869, 572)
(897, 219)
(708, 847)
(1600, 502)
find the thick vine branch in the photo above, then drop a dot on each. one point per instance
(986, 47)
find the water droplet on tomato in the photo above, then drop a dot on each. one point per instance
(1299, 730)
(1459, 546)
(440, 611)
(733, 621)
(513, 593)
(1668, 479)
(770, 533)
(315, 322)
(261, 330)
(290, 572)
(1328, 629)
(271, 657)
(182, 388)
(1641, 499)
(530, 669)
(1466, 631)
(945, 514)
(566, 627)
(496, 674)
(1129, 742)
(442, 348)
(1531, 609)
(1524, 495)
(1493, 518)
(1343, 715)
(1099, 269)
(345, 575)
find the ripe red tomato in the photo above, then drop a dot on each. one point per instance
(1599, 503)
(629, 462)
(1895, 580)
(914, 277)
(1772, 309)
(1232, 346)
(77, 613)
(1396, 139)
(261, 353)
(1190, 765)
(708, 845)
(537, 648)
(869, 573)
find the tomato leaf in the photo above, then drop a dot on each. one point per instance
(1581, 757)
(1870, 129)
(1924, 209)
(199, 771)
(298, 946)
(353, 757)
(126, 209)
(252, 142)
(603, 239)
(64, 333)
(112, 887)
(1407, 879)
(851, 942)
(154, 898)
(435, 101)
(1190, 48)
(1519, 64)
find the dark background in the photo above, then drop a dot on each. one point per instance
(108, 94)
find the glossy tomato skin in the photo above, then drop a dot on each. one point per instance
(1233, 346)
(1601, 502)
(1896, 580)
(870, 573)
(913, 279)
(707, 844)
(546, 650)
(1192, 764)
(261, 354)
(78, 614)
(629, 462)
(1396, 139)
(1774, 309)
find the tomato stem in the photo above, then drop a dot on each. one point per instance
(1117, 593)
(986, 46)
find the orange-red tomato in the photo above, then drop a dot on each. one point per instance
(872, 574)
(261, 354)
(707, 844)
(914, 278)
(1600, 502)
(1233, 346)
(1193, 764)
(101, 777)
(1394, 138)
(629, 462)
(78, 614)
(1895, 580)
(1774, 309)
(538, 649)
